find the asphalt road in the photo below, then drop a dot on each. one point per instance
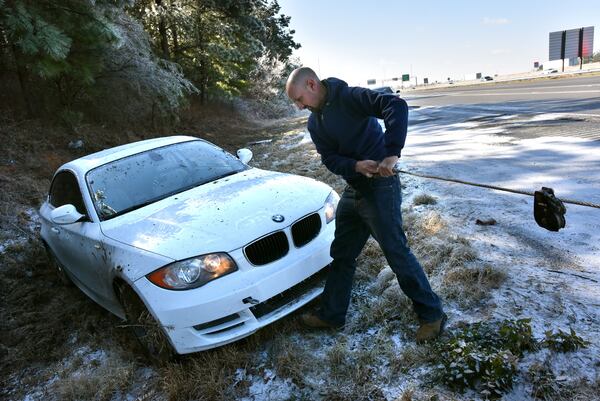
(582, 89)
(577, 100)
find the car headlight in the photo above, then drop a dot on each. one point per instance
(331, 206)
(194, 272)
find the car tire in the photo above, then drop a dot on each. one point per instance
(55, 264)
(144, 327)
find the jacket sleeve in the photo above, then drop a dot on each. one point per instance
(334, 162)
(392, 109)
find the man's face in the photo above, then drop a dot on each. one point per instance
(305, 95)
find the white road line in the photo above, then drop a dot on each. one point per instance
(521, 93)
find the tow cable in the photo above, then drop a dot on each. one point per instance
(548, 210)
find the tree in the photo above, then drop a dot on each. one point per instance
(60, 49)
(217, 43)
(58, 42)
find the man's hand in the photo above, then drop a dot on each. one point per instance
(386, 167)
(366, 167)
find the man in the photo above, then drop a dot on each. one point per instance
(344, 128)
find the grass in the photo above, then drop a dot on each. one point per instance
(424, 199)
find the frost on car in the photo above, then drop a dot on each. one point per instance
(187, 242)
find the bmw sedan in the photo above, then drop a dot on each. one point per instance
(189, 244)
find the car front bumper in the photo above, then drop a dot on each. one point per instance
(237, 305)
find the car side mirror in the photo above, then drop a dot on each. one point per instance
(65, 214)
(245, 155)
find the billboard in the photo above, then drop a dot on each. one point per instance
(587, 42)
(572, 43)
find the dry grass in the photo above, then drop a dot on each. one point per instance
(411, 356)
(290, 359)
(391, 307)
(94, 380)
(424, 199)
(469, 286)
(208, 375)
(353, 372)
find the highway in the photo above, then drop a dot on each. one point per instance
(584, 90)
(574, 103)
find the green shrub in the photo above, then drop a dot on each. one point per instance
(563, 342)
(483, 356)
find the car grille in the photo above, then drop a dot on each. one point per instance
(306, 229)
(286, 297)
(267, 249)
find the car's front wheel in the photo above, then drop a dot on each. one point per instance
(144, 327)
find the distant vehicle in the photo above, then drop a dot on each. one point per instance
(384, 89)
(487, 78)
(550, 71)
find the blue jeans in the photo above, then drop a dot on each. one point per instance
(371, 206)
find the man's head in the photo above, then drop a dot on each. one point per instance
(305, 89)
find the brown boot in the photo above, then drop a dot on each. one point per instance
(310, 319)
(431, 330)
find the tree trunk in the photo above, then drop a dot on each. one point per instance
(162, 31)
(203, 71)
(175, 41)
(22, 74)
(175, 37)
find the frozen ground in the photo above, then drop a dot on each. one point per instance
(552, 278)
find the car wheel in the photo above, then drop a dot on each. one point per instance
(55, 264)
(144, 327)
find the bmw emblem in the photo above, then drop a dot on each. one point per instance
(277, 218)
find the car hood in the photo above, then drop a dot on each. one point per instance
(222, 215)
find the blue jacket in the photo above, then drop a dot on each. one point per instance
(346, 130)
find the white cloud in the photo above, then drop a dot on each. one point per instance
(495, 21)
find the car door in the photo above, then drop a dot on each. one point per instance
(78, 246)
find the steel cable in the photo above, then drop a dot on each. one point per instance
(515, 191)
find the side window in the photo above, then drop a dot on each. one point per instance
(65, 190)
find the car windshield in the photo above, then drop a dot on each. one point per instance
(138, 180)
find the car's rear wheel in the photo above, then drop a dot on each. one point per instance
(55, 264)
(144, 327)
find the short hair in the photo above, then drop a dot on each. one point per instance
(301, 74)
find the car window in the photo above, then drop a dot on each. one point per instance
(65, 190)
(138, 180)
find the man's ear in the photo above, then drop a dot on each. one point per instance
(311, 84)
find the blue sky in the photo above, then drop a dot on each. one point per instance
(358, 40)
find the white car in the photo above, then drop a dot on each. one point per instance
(177, 231)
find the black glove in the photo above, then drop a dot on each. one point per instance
(548, 210)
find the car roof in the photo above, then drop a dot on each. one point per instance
(86, 163)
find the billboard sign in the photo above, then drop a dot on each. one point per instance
(572, 43)
(371, 81)
(405, 77)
